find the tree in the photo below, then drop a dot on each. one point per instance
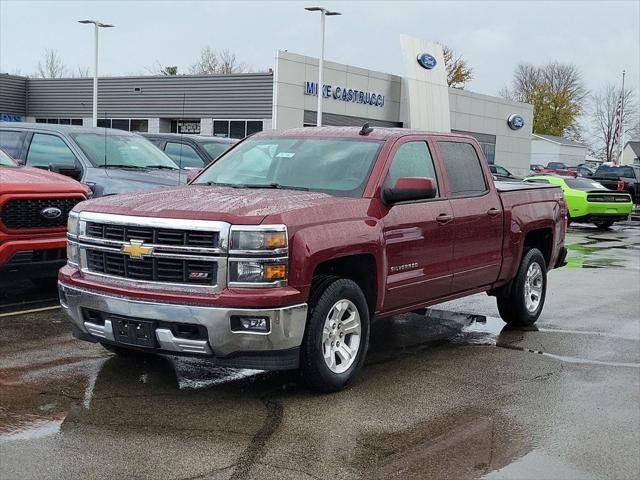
(51, 65)
(557, 93)
(169, 70)
(602, 118)
(459, 73)
(212, 63)
(83, 72)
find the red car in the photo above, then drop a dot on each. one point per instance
(280, 253)
(558, 168)
(34, 205)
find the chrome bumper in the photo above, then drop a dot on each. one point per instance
(287, 324)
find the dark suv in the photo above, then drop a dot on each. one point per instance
(108, 161)
(190, 151)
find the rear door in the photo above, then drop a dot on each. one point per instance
(477, 211)
(418, 235)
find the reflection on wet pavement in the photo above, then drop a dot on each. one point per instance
(604, 249)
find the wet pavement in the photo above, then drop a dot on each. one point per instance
(451, 394)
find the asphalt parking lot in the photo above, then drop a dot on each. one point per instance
(450, 394)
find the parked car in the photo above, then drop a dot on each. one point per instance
(281, 252)
(109, 161)
(582, 171)
(624, 178)
(588, 201)
(534, 168)
(502, 173)
(559, 168)
(190, 151)
(34, 205)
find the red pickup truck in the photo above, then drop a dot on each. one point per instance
(280, 253)
(34, 205)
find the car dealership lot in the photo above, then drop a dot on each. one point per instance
(448, 396)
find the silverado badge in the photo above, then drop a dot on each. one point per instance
(136, 249)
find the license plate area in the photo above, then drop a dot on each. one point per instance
(141, 333)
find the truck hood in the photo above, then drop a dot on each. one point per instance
(114, 180)
(233, 205)
(35, 180)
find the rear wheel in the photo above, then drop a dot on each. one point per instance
(337, 335)
(523, 303)
(604, 225)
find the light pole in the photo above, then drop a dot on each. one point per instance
(96, 26)
(323, 13)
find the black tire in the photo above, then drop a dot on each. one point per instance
(604, 225)
(512, 305)
(325, 293)
(126, 352)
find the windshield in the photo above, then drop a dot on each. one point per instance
(583, 184)
(215, 149)
(5, 160)
(607, 171)
(122, 151)
(336, 166)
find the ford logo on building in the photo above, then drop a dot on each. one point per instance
(427, 61)
(515, 122)
(51, 213)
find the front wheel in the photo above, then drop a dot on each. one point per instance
(604, 225)
(337, 335)
(523, 303)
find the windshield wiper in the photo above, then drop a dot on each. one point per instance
(112, 165)
(273, 185)
(161, 167)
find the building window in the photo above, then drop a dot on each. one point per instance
(60, 121)
(185, 126)
(139, 125)
(128, 124)
(236, 128)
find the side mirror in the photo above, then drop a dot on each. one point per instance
(72, 171)
(193, 173)
(408, 189)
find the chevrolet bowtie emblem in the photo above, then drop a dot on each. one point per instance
(136, 249)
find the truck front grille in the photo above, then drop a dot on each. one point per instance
(26, 213)
(164, 270)
(164, 236)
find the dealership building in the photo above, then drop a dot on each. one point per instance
(240, 104)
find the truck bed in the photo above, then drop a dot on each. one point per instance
(517, 186)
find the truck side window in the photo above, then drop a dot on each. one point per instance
(463, 169)
(412, 159)
(11, 142)
(47, 149)
(184, 155)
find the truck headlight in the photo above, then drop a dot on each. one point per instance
(258, 255)
(73, 224)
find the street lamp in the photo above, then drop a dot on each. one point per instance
(323, 13)
(96, 26)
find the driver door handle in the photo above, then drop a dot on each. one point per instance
(492, 212)
(444, 218)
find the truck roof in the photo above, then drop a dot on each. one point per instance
(377, 133)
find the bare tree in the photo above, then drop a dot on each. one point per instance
(51, 65)
(459, 73)
(83, 72)
(158, 69)
(212, 63)
(602, 116)
(556, 91)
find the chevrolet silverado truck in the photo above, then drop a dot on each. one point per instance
(34, 205)
(280, 253)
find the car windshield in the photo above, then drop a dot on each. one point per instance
(337, 166)
(557, 165)
(583, 184)
(215, 149)
(124, 151)
(5, 160)
(607, 171)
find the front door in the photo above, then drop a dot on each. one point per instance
(418, 235)
(477, 211)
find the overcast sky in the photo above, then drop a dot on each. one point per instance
(600, 37)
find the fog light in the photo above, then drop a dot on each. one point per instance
(241, 323)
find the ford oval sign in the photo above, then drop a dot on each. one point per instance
(515, 122)
(51, 213)
(427, 61)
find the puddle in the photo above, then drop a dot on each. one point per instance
(603, 250)
(37, 429)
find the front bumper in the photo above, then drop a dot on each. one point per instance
(31, 258)
(287, 326)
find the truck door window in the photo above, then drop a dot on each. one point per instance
(462, 165)
(11, 142)
(184, 155)
(47, 149)
(412, 159)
